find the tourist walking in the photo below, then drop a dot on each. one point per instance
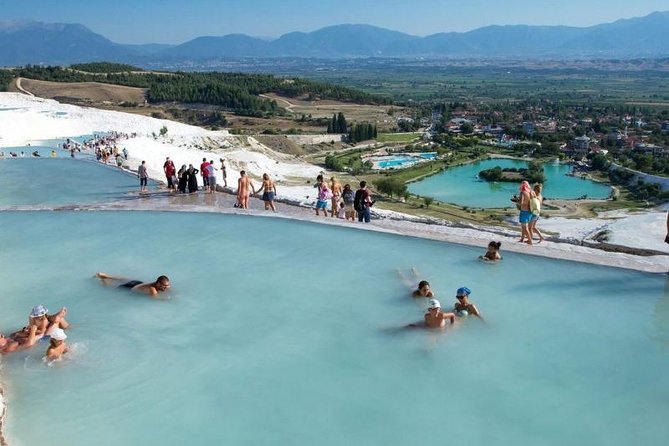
(182, 178)
(211, 177)
(224, 173)
(336, 189)
(348, 196)
(143, 175)
(536, 200)
(170, 170)
(323, 197)
(363, 203)
(204, 173)
(191, 173)
(244, 183)
(269, 192)
(525, 214)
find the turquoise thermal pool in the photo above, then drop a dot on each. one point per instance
(461, 185)
(288, 332)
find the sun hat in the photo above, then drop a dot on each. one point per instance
(433, 303)
(464, 291)
(58, 334)
(38, 311)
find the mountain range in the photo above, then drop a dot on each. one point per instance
(29, 42)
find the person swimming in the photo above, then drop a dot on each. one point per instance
(463, 307)
(492, 254)
(161, 284)
(423, 290)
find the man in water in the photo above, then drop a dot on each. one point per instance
(161, 284)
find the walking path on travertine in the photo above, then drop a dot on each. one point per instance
(222, 202)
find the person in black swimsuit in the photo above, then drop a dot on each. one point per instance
(161, 284)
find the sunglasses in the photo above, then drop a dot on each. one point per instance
(460, 297)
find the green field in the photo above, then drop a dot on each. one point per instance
(398, 137)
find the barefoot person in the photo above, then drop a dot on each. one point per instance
(29, 336)
(336, 190)
(525, 214)
(161, 284)
(536, 200)
(243, 185)
(269, 189)
(423, 290)
(324, 196)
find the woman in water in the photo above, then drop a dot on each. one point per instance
(422, 290)
(492, 254)
(463, 307)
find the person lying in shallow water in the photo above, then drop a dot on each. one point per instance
(161, 284)
(423, 290)
(29, 336)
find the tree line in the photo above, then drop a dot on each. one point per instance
(237, 92)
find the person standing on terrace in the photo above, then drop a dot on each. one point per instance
(244, 183)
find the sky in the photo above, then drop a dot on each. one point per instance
(177, 21)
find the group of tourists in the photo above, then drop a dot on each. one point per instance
(41, 327)
(342, 201)
(435, 316)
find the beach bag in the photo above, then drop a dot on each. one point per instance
(535, 205)
(349, 197)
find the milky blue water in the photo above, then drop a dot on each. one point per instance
(61, 180)
(461, 185)
(403, 161)
(281, 332)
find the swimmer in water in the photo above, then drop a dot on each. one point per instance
(463, 307)
(492, 254)
(57, 346)
(40, 318)
(435, 318)
(161, 284)
(423, 290)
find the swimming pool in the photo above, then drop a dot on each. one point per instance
(461, 185)
(268, 339)
(401, 160)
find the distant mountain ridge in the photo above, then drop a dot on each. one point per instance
(29, 42)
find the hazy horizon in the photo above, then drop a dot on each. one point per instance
(175, 22)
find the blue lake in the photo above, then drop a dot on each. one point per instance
(461, 185)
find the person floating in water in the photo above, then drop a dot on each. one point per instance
(492, 254)
(463, 307)
(422, 290)
(33, 332)
(161, 284)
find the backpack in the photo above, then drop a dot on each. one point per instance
(349, 197)
(359, 200)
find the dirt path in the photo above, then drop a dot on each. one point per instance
(20, 87)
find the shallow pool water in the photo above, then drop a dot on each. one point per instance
(285, 332)
(61, 180)
(461, 185)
